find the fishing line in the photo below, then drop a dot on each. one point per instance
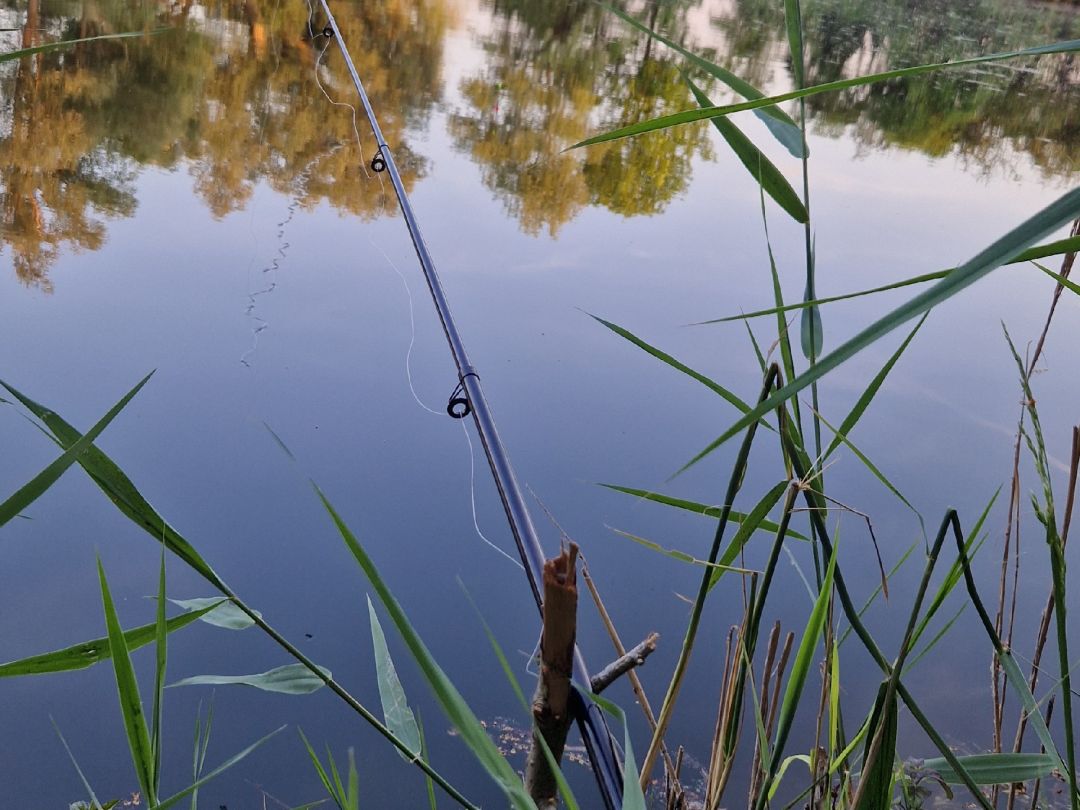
(422, 404)
(472, 497)
(408, 292)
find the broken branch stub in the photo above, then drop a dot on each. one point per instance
(551, 701)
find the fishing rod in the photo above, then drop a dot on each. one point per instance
(468, 398)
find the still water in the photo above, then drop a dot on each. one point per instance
(196, 202)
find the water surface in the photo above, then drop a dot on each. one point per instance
(196, 201)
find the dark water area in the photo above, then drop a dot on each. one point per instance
(196, 201)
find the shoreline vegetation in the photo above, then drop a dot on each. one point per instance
(854, 759)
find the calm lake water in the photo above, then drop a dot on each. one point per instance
(195, 202)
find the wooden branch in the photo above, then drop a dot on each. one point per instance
(551, 702)
(623, 664)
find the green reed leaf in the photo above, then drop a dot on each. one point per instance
(453, 704)
(783, 128)
(32, 490)
(793, 22)
(1056, 248)
(633, 798)
(712, 385)
(875, 791)
(94, 803)
(675, 554)
(863, 402)
(995, 769)
(225, 615)
(128, 689)
(399, 717)
(220, 769)
(161, 635)
(708, 510)
(1049, 219)
(1071, 286)
(291, 679)
(67, 43)
(800, 669)
(88, 653)
(763, 170)
(560, 780)
(690, 116)
(118, 487)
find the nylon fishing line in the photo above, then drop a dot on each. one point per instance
(422, 404)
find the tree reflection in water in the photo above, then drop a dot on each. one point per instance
(229, 94)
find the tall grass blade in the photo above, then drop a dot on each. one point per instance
(800, 668)
(118, 487)
(875, 789)
(130, 703)
(1047, 515)
(202, 743)
(934, 639)
(81, 656)
(161, 660)
(783, 769)
(704, 509)
(793, 22)
(1057, 248)
(754, 521)
(220, 769)
(971, 547)
(681, 556)
(453, 704)
(1071, 286)
(94, 803)
(879, 588)
(770, 178)
(1055, 215)
(690, 116)
(712, 385)
(782, 335)
(779, 122)
(32, 490)
(67, 43)
(633, 797)
(424, 755)
(291, 679)
(399, 717)
(353, 791)
(863, 402)
(560, 780)
(330, 787)
(1015, 678)
(834, 697)
(873, 468)
(339, 786)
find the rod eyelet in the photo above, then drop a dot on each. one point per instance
(458, 407)
(378, 164)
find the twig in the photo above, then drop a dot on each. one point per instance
(624, 663)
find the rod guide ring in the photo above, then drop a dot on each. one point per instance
(458, 407)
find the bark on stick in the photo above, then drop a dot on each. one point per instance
(551, 702)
